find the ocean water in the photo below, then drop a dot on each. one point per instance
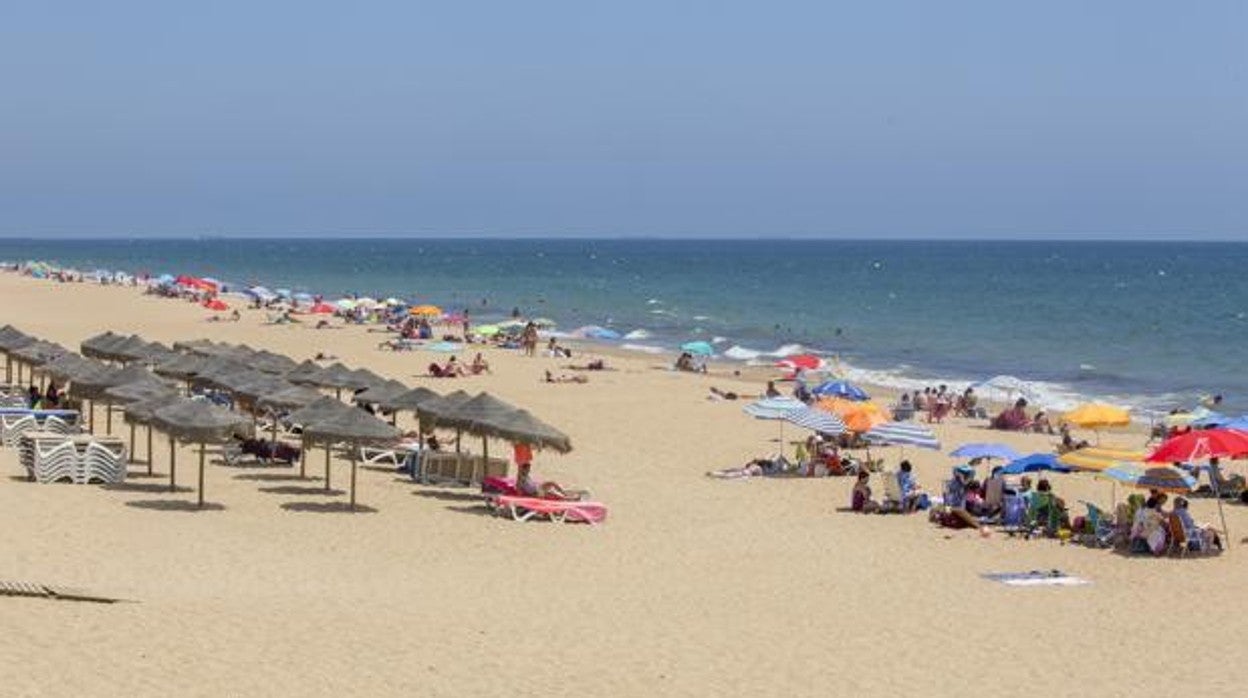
(1152, 325)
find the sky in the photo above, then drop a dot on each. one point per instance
(914, 119)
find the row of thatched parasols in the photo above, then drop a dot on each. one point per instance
(145, 379)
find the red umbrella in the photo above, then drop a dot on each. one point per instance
(216, 304)
(322, 309)
(810, 362)
(1201, 445)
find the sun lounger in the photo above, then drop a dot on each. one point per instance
(373, 455)
(557, 510)
(103, 462)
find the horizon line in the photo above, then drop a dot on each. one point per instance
(209, 237)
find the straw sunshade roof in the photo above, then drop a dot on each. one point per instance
(306, 372)
(38, 352)
(350, 425)
(257, 388)
(143, 411)
(181, 366)
(93, 385)
(233, 380)
(12, 338)
(138, 391)
(409, 400)
(271, 362)
(68, 366)
(219, 367)
(200, 421)
(201, 347)
(472, 414)
(291, 398)
(125, 349)
(429, 411)
(520, 426)
(336, 376)
(381, 392)
(324, 408)
(97, 347)
(368, 379)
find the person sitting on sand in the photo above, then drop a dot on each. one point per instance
(1226, 486)
(1013, 419)
(1208, 535)
(528, 487)
(1041, 424)
(771, 390)
(479, 365)
(910, 490)
(1148, 530)
(684, 362)
(860, 498)
(1068, 442)
(452, 367)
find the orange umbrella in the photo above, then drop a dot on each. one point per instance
(858, 416)
(426, 310)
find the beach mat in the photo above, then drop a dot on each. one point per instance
(1036, 578)
(47, 591)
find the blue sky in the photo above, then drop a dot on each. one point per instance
(901, 119)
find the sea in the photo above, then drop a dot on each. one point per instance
(1149, 325)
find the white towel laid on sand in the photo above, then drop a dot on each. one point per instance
(1036, 578)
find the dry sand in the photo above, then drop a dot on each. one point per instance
(692, 587)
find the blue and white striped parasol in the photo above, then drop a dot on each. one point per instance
(842, 389)
(816, 420)
(900, 434)
(773, 407)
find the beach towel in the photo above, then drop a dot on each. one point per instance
(1036, 578)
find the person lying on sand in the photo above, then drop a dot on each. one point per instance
(551, 378)
(595, 365)
(758, 467)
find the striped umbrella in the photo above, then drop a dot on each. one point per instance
(816, 420)
(1154, 477)
(901, 434)
(773, 407)
(842, 389)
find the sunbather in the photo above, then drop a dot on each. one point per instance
(860, 499)
(1228, 485)
(527, 486)
(552, 378)
(479, 365)
(757, 467)
(910, 490)
(1148, 531)
(1209, 538)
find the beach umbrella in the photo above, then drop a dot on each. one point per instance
(1166, 478)
(305, 373)
(1200, 417)
(11, 339)
(902, 434)
(595, 332)
(1006, 388)
(271, 362)
(841, 389)
(346, 304)
(816, 420)
(1097, 416)
(36, 354)
(486, 330)
(1035, 462)
(425, 311)
(151, 353)
(180, 366)
(380, 392)
(259, 385)
(355, 428)
(217, 305)
(68, 366)
(93, 385)
(1201, 445)
(139, 391)
(858, 416)
(543, 323)
(409, 400)
(774, 408)
(324, 407)
(336, 376)
(124, 349)
(975, 451)
(322, 309)
(367, 379)
(96, 347)
(290, 398)
(199, 422)
(522, 427)
(809, 362)
(698, 348)
(1096, 459)
(487, 416)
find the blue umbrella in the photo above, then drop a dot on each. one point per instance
(1238, 424)
(1034, 463)
(841, 389)
(700, 348)
(601, 333)
(816, 420)
(973, 451)
(902, 435)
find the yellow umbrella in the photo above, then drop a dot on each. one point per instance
(1097, 416)
(1099, 459)
(858, 416)
(426, 310)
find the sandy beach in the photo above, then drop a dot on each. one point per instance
(693, 586)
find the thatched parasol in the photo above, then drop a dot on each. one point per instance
(200, 422)
(124, 349)
(181, 366)
(409, 400)
(522, 427)
(353, 427)
(199, 347)
(97, 347)
(91, 386)
(305, 373)
(291, 398)
(337, 377)
(35, 354)
(143, 412)
(270, 362)
(323, 408)
(139, 391)
(11, 338)
(377, 394)
(66, 367)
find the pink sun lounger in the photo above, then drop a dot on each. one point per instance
(558, 510)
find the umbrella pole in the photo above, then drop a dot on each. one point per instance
(131, 442)
(273, 442)
(485, 459)
(149, 449)
(91, 416)
(326, 467)
(354, 460)
(173, 463)
(8, 368)
(108, 423)
(201, 476)
(1217, 493)
(303, 459)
